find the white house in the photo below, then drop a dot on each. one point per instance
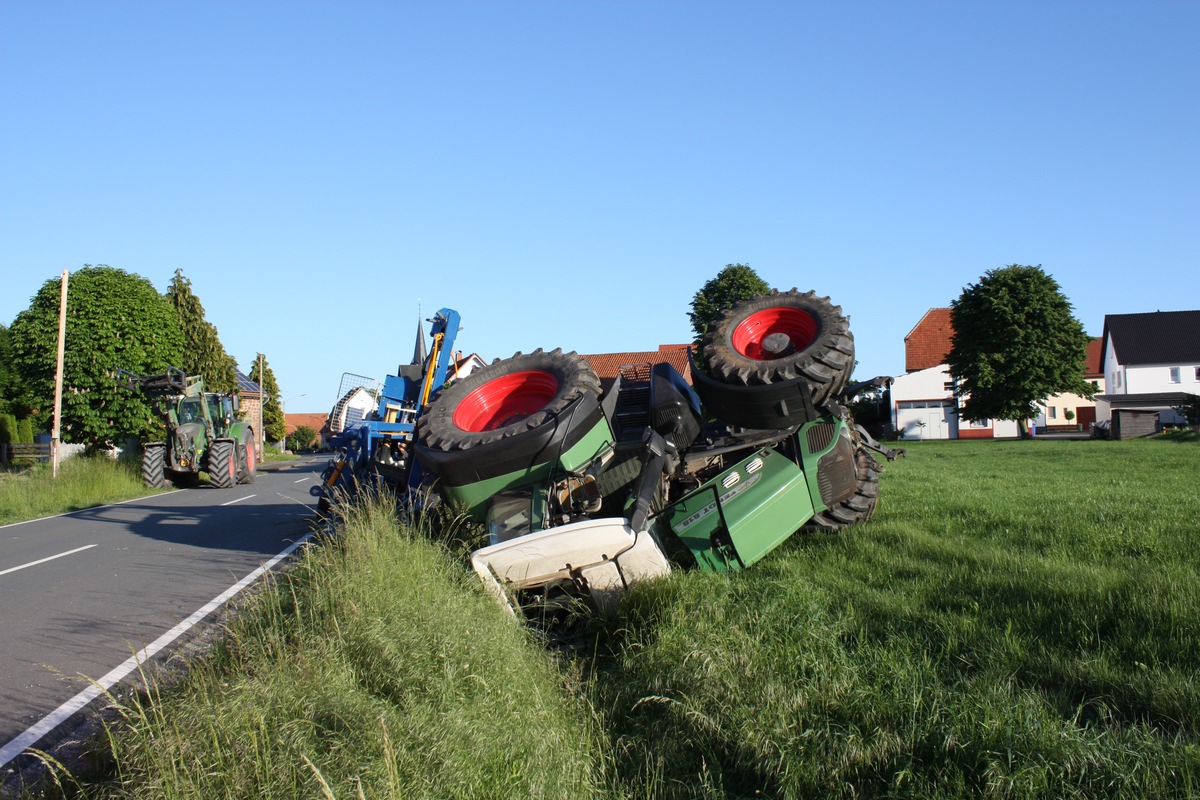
(352, 407)
(1151, 363)
(1054, 408)
(924, 405)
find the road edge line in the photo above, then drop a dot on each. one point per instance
(48, 723)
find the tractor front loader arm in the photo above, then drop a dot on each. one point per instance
(173, 381)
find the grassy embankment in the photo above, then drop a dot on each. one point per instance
(32, 492)
(1021, 620)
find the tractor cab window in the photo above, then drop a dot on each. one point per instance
(189, 410)
(226, 408)
(214, 407)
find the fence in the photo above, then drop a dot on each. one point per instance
(24, 453)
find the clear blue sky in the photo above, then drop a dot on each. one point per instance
(569, 174)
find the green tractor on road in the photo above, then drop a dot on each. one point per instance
(203, 433)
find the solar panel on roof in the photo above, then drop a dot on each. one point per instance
(244, 384)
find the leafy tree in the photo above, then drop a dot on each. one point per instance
(114, 320)
(1016, 341)
(203, 353)
(301, 438)
(733, 283)
(9, 383)
(274, 424)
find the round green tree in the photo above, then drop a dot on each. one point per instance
(733, 283)
(301, 438)
(1016, 342)
(114, 320)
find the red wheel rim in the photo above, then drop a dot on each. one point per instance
(774, 333)
(251, 458)
(505, 400)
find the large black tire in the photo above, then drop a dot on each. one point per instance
(858, 507)
(506, 399)
(247, 458)
(222, 464)
(154, 473)
(779, 337)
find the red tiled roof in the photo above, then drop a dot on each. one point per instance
(928, 344)
(314, 421)
(608, 365)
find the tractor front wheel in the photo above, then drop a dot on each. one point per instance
(858, 507)
(779, 337)
(222, 464)
(247, 458)
(154, 473)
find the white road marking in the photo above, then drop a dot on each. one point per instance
(47, 558)
(302, 480)
(51, 721)
(240, 499)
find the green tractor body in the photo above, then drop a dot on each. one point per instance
(203, 433)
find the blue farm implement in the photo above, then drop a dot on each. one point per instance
(373, 427)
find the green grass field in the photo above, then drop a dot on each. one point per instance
(1020, 620)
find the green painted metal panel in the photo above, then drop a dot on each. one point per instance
(742, 514)
(476, 495)
(810, 457)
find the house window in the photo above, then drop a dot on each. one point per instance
(1052, 413)
(981, 423)
(1174, 374)
(1197, 374)
(1116, 381)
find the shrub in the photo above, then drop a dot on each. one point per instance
(301, 438)
(25, 431)
(8, 429)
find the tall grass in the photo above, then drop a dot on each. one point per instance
(372, 669)
(82, 482)
(1020, 620)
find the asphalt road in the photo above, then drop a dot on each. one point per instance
(81, 593)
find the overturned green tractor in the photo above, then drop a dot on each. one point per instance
(203, 433)
(583, 493)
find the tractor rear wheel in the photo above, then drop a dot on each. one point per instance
(222, 464)
(506, 399)
(782, 336)
(154, 473)
(858, 507)
(247, 458)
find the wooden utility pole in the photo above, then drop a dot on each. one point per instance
(58, 376)
(262, 399)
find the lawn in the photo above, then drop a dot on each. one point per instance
(1020, 620)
